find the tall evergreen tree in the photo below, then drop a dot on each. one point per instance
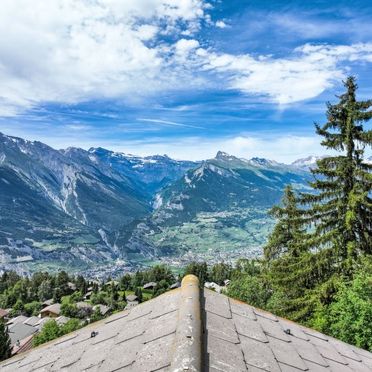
(5, 348)
(340, 211)
(289, 266)
(288, 234)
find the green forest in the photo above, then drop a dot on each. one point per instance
(317, 264)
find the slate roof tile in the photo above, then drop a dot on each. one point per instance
(308, 352)
(242, 309)
(294, 329)
(161, 326)
(221, 327)
(327, 350)
(249, 328)
(358, 366)
(273, 328)
(265, 314)
(286, 353)
(165, 303)
(224, 356)
(132, 330)
(217, 303)
(236, 338)
(155, 354)
(344, 349)
(116, 358)
(259, 354)
(337, 367)
(314, 367)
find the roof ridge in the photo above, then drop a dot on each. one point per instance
(187, 351)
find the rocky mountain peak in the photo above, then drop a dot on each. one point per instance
(221, 155)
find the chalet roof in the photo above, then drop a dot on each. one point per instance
(32, 321)
(191, 330)
(55, 309)
(48, 302)
(84, 305)
(131, 298)
(19, 331)
(17, 319)
(150, 285)
(102, 308)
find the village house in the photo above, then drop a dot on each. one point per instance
(150, 285)
(52, 311)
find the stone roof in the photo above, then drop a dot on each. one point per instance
(55, 309)
(150, 285)
(17, 319)
(131, 297)
(191, 330)
(19, 331)
(32, 321)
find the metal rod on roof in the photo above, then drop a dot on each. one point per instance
(187, 353)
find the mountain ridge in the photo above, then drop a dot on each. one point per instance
(87, 207)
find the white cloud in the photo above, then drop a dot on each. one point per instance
(305, 74)
(221, 24)
(280, 148)
(185, 46)
(75, 50)
(167, 122)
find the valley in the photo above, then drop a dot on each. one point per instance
(87, 210)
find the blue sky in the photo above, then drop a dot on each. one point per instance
(186, 78)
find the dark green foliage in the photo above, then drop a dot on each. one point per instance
(45, 291)
(51, 330)
(5, 349)
(250, 289)
(161, 287)
(220, 272)
(32, 308)
(200, 269)
(96, 315)
(349, 316)
(125, 282)
(138, 293)
(340, 211)
(288, 234)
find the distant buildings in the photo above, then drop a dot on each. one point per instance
(52, 311)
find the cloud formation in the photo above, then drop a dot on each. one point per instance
(305, 74)
(71, 51)
(76, 50)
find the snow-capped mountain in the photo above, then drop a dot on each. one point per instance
(63, 202)
(150, 173)
(85, 207)
(226, 181)
(306, 163)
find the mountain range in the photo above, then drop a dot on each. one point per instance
(77, 209)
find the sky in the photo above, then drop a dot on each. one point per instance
(180, 77)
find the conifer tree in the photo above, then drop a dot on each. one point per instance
(5, 348)
(288, 264)
(288, 234)
(340, 211)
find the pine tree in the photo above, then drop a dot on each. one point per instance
(5, 348)
(289, 270)
(288, 234)
(340, 211)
